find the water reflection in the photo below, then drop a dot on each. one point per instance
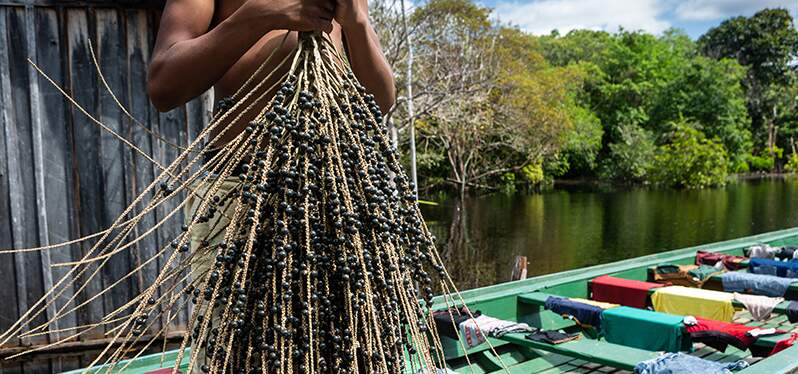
(571, 228)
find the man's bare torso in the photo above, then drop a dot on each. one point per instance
(247, 65)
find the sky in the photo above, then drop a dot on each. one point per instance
(654, 16)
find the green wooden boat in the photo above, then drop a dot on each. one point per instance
(522, 301)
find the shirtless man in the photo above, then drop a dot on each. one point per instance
(221, 43)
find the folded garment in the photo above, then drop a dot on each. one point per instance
(621, 291)
(760, 307)
(711, 258)
(784, 344)
(668, 268)
(761, 251)
(447, 320)
(599, 304)
(684, 275)
(720, 335)
(703, 272)
(786, 253)
(585, 314)
(474, 330)
(685, 301)
(758, 284)
(551, 336)
(680, 363)
(644, 329)
(792, 311)
(784, 269)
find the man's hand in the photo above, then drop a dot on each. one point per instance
(295, 15)
(350, 13)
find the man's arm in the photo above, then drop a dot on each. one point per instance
(365, 54)
(188, 59)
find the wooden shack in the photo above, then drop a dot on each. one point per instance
(61, 175)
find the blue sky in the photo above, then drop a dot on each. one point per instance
(655, 16)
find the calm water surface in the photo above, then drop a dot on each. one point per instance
(569, 228)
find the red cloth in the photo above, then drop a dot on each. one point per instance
(784, 344)
(722, 333)
(711, 258)
(631, 293)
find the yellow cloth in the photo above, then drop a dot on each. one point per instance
(599, 304)
(684, 301)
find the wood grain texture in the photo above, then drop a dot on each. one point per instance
(61, 176)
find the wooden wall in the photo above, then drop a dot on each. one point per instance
(61, 176)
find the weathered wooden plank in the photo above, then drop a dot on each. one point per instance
(8, 310)
(91, 210)
(56, 160)
(137, 56)
(21, 161)
(39, 166)
(110, 55)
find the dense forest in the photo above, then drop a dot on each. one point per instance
(497, 109)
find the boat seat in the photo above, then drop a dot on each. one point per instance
(539, 299)
(715, 282)
(781, 308)
(596, 351)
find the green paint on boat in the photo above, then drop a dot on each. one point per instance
(518, 301)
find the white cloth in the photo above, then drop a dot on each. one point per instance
(690, 321)
(762, 251)
(760, 307)
(761, 332)
(474, 330)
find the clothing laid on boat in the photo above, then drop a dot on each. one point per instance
(680, 363)
(760, 307)
(784, 344)
(551, 336)
(585, 314)
(685, 275)
(784, 269)
(711, 258)
(697, 302)
(792, 311)
(761, 251)
(621, 291)
(448, 320)
(758, 284)
(599, 304)
(644, 329)
(474, 330)
(720, 335)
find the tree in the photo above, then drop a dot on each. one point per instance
(690, 159)
(766, 43)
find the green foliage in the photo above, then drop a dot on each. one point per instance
(533, 173)
(792, 164)
(631, 157)
(767, 44)
(501, 107)
(690, 160)
(766, 160)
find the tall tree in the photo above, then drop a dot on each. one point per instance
(766, 43)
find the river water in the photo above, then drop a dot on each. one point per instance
(569, 228)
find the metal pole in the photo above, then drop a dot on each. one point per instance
(410, 112)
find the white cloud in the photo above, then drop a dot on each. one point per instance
(543, 16)
(706, 10)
